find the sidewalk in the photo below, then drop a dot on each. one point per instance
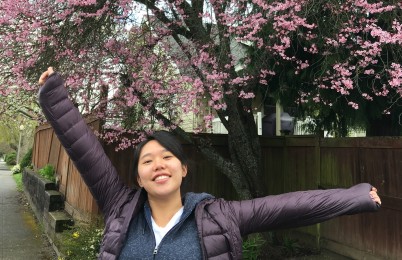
(20, 236)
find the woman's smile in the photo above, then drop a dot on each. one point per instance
(161, 178)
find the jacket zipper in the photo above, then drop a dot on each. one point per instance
(155, 252)
(157, 247)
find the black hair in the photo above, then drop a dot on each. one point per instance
(168, 141)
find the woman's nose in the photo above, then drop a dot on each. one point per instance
(159, 164)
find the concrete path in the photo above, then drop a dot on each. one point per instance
(20, 236)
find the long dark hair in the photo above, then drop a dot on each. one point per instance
(168, 141)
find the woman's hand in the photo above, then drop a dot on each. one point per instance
(374, 196)
(45, 75)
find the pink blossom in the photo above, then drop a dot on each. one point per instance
(179, 72)
(353, 105)
(245, 95)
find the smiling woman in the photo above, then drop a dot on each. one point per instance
(155, 222)
(160, 173)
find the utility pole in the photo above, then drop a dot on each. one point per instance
(19, 144)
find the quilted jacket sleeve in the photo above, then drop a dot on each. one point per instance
(80, 143)
(302, 208)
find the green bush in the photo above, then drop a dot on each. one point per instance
(26, 161)
(291, 247)
(252, 246)
(47, 172)
(11, 158)
(81, 242)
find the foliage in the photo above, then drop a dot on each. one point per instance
(252, 247)
(81, 242)
(26, 161)
(18, 180)
(48, 172)
(290, 247)
(19, 107)
(16, 169)
(11, 158)
(285, 247)
(10, 123)
(208, 59)
(11, 135)
(348, 66)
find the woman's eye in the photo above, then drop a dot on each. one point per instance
(167, 156)
(147, 162)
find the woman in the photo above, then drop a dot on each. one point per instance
(155, 222)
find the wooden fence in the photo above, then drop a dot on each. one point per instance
(290, 163)
(301, 163)
(47, 149)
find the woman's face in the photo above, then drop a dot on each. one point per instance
(160, 173)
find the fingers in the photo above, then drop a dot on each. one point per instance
(374, 189)
(374, 196)
(45, 75)
(43, 78)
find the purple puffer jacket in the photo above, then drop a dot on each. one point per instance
(221, 224)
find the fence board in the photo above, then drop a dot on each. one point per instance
(338, 167)
(54, 150)
(63, 170)
(383, 167)
(44, 140)
(73, 189)
(123, 162)
(274, 169)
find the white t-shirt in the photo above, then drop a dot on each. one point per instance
(160, 232)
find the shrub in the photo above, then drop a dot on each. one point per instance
(47, 172)
(11, 158)
(16, 169)
(291, 247)
(81, 242)
(26, 161)
(252, 246)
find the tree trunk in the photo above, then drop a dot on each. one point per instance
(244, 145)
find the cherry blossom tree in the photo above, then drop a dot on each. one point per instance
(344, 38)
(135, 64)
(359, 67)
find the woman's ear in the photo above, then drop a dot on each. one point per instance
(139, 181)
(184, 171)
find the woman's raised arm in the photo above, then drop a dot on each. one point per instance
(79, 141)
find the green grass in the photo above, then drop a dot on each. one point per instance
(48, 172)
(18, 179)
